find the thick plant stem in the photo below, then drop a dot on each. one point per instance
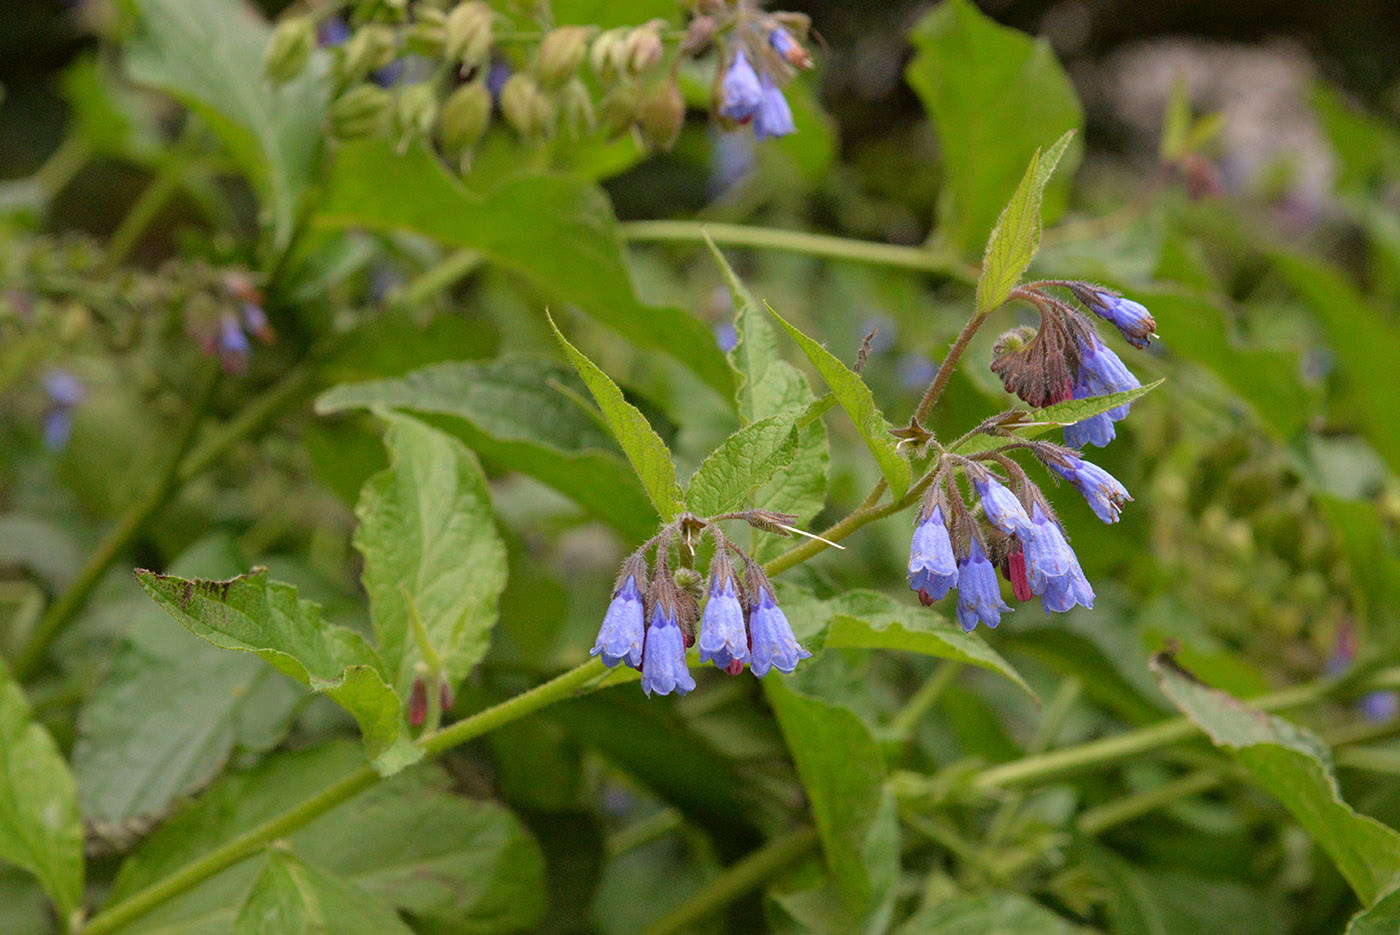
(301, 814)
(736, 880)
(822, 245)
(63, 610)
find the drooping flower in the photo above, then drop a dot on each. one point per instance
(1069, 589)
(233, 345)
(979, 595)
(1000, 505)
(774, 116)
(741, 95)
(1101, 489)
(772, 642)
(1048, 556)
(933, 569)
(1129, 317)
(789, 48)
(621, 636)
(1100, 372)
(1015, 570)
(723, 637)
(663, 653)
(255, 320)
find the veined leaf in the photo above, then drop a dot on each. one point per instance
(1034, 422)
(432, 554)
(40, 829)
(1381, 919)
(744, 461)
(995, 913)
(1293, 766)
(1016, 238)
(557, 233)
(514, 413)
(252, 614)
(650, 457)
(292, 898)
(855, 397)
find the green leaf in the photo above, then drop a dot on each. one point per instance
(1368, 542)
(1034, 422)
(252, 614)
(1366, 345)
(650, 457)
(1381, 919)
(743, 462)
(40, 829)
(766, 386)
(24, 909)
(198, 703)
(1293, 766)
(855, 397)
(555, 232)
(431, 553)
(870, 620)
(208, 54)
(1152, 900)
(843, 771)
(996, 913)
(995, 95)
(1016, 238)
(291, 898)
(512, 412)
(451, 863)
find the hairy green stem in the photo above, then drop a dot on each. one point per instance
(301, 814)
(738, 879)
(919, 259)
(902, 725)
(1095, 821)
(130, 525)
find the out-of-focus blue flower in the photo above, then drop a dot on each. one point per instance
(233, 345)
(621, 636)
(933, 569)
(733, 161)
(1100, 372)
(979, 595)
(741, 95)
(726, 336)
(496, 77)
(1380, 706)
(882, 331)
(663, 655)
(1101, 489)
(774, 116)
(255, 320)
(333, 30)
(774, 645)
(915, 371)
(58, 427)
(1129, 317)
(723, 638)
(63, 388)
(782, 42)
(1003, 510)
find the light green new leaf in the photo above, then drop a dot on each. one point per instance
(209, 55)
(1016, 238)
(519, 413)
(743, 462)
(650, 457)
(40, 829)
(556, 232)
(855, 397)
(1293, 766)
(252, 614)
(451, 863)
(292, 898)
(1381, 919)
(432, 554)
(843, 771)
(1039, 421)
(766, 386)
(996, 913)
(995, 95)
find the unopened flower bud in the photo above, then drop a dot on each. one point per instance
(643, 47)
(362, 111)
(416, 110)
(577, 108)
(289, 48)
(369, 49)
(608, 54)
(660, 115)
(560, 54)
(617, 111)
(418, 703)
(525, 107)
(699, 33)
(465, 116)
(468, 32)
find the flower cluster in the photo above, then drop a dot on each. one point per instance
(223, 322)
(765, 56)
(1065, 358)
(653, 619)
